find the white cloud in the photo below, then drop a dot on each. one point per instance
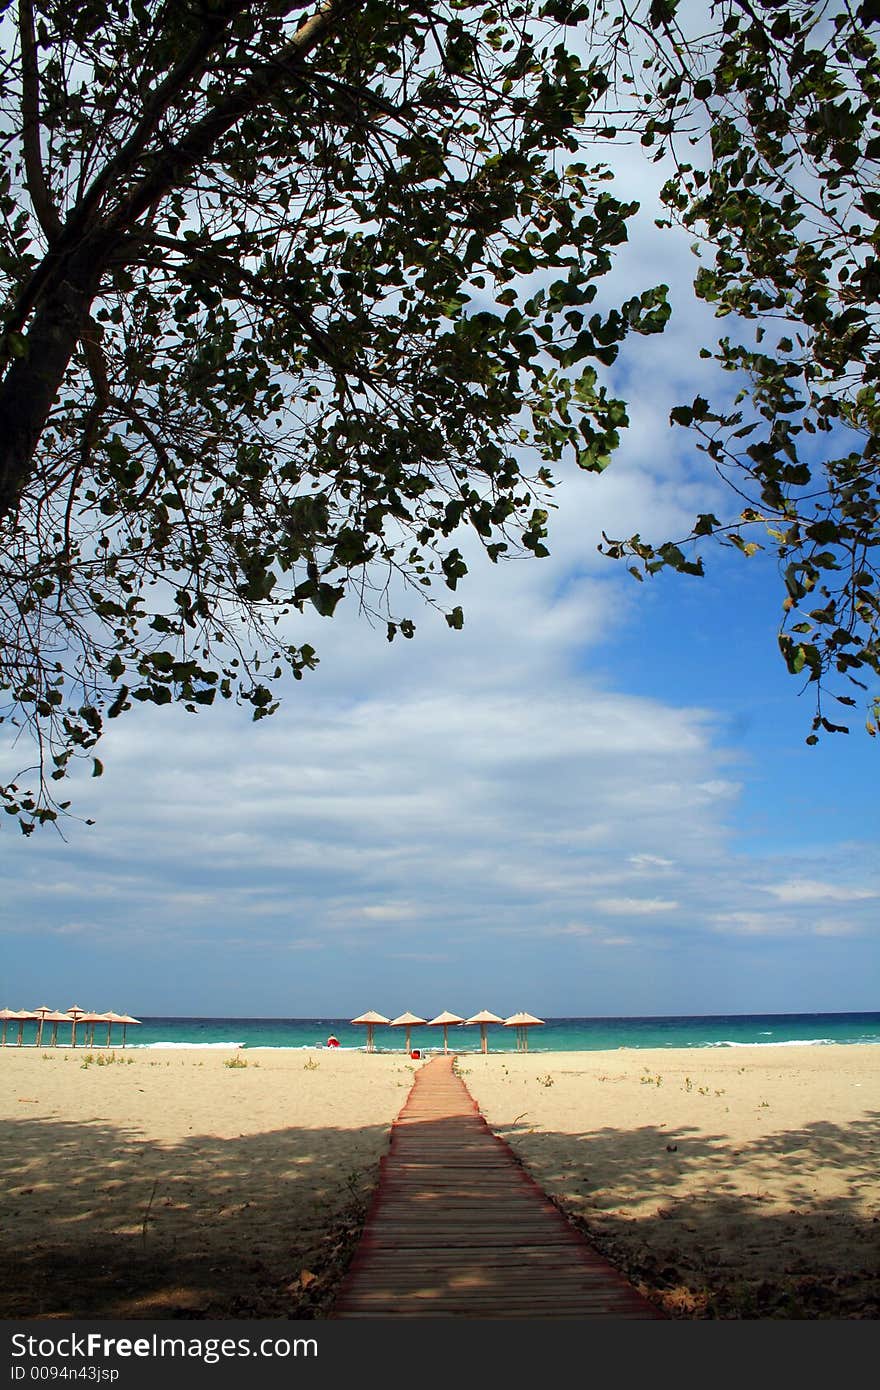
(650, 862)
(392, 912)
(753, 924)
(828, 927)
(636, 907)
(811, 891)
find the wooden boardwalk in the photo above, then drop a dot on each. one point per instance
(458, 1229)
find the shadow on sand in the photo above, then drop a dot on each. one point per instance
(713, 1229)
(100, 1223)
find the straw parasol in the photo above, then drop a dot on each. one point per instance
(522, 1023)
(370, 1018)
(41, 1013)
(55, 1017)
(24, 1016)
(445, 1019)
(74, 1013)
(125, 1020)
(483, 1018)
(90, 1018)
(407, 1021)
(6, 1015)
(109, 1019)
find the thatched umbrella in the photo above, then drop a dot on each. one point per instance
(483, 1018)
(89, 1019)
(74, 1013)
(24, 1016)
(407, 1021)
(109, 1019)
(56, 1017)
(371, 1018)
(444, 1019)
(522, 1023)
(125, 1020)
(41, 1013)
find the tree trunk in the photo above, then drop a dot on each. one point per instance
(32, 381)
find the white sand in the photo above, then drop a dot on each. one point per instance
(731, 1182)
(724, 1182)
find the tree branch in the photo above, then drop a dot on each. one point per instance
(47, 213)
(176, 162)
(179, 160)
(192, 65)
(67, 279)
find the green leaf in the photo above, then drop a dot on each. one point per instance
(455, 619)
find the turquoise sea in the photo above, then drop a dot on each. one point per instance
(555, 1035)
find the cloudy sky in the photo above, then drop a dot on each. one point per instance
(594, 800)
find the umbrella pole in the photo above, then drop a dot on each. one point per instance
(5, 1026)
(124, 1026)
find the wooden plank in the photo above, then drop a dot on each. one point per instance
(459, 1229)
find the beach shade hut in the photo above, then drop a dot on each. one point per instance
(484, 1017)
(125, 1020)
(41, 1013)
(370, 1018)
(88, 1021)
(55, 1017)
(444, 1019)
(407, 1021)
(23, 1016)
(6, 1015)
(522, 1023)
(74, 1013)
(108, 1018)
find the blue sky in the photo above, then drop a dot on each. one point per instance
(594, 800)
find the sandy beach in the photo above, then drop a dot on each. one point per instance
(730, 1183)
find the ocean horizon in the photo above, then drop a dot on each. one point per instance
(575, 1034)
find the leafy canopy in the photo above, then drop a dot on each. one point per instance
(289, 296)
(773, 122)
(293, 295)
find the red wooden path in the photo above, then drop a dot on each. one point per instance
(458, 1229)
